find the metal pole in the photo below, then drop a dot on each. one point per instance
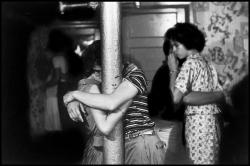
(69, 6)
(111, 65)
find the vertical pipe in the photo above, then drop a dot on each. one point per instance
(111, 65)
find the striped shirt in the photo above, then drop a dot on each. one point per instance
(137, 116)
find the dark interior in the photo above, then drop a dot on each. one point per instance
(18, 20)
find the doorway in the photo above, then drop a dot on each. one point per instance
(143, 32)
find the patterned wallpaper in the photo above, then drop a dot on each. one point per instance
(225, 25)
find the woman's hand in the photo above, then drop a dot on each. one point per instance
(68, 97)
(74, 109)
(172, 62)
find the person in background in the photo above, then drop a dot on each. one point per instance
(128, 101)
(38, 69)
(161, 104)
(66, 68)
(51, 115)
(202, 117)
(53, 146)
(235, 141)
(160, 98)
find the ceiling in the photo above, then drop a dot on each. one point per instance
(43, 12)
(40, 12)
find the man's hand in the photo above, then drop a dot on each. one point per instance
(74, 109)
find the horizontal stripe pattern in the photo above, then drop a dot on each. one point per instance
(137, 116)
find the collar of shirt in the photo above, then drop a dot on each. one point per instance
(195, 56)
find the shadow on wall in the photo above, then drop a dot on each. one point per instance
(235, 139)
(14, 88)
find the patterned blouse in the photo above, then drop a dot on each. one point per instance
(137, 116)
(197, 74)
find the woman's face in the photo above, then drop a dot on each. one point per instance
(179, 50)
(97, 73)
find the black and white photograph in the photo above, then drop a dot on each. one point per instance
(124, 82)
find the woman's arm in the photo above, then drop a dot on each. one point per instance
(124, 92)
(106, 122)
(176, 94)
(173, 67)
(192, 98)
(202, 98)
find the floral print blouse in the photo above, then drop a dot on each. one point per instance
(197, 74)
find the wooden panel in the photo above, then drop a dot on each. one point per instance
(145, 42)
(143, 35)
(153, 25)
(149, 59)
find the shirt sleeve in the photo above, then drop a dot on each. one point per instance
(184, 78)
(137, 78)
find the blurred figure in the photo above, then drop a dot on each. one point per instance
(38, 71)
(160, 100)
(235, 139)
(203, 118)
(52, 117)
(66, 68)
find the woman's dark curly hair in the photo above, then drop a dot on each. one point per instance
(91, 57)
(187, 34)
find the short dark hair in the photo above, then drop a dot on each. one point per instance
(187, 34)
(91, 57)
(59, 41)
(166, 47)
